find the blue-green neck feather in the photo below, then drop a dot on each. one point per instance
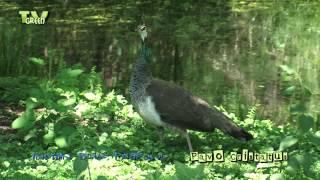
(142, 65)
(145, 50)
(141, 75)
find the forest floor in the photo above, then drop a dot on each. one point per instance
(101, 137)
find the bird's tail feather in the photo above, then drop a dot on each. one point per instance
(240, 133)
(226, 125)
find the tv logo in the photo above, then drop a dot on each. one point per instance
(34, 18)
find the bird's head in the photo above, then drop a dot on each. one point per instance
(142, 29)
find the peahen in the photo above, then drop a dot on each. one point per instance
(165, 104)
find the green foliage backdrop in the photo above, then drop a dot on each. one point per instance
(64, 84)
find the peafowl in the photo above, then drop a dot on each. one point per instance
(167, 105)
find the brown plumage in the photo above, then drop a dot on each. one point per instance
(179, 108)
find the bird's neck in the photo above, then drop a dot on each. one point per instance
(142, 67)
(144, 52)
(141, 75)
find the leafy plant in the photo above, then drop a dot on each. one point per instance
(57, 109)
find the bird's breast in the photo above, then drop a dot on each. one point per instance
(148, 111)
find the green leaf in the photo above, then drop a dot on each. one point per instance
(20, 122)
(25, 120)
(299, 161)
(315, 139)
(31, 103)
(90, 96)
(6, 164)
(287, 142)
(61, 142)
(68, 130)
(307, 92)
(32, 133)
(286, 69)
(297, 108)
(74, 72)
(293, 165)
(276, 177)
(305, 160)
(37, 61)
(101, 178)
(185, 172)
(79, 165)
(289, 91)
(67, 102)
(305, 122)
(41, 169)
(48, 138)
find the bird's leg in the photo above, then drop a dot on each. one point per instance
(189, 142)
(184, 132)
(160, 131)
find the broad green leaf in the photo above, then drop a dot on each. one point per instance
(289, 91)
(287, 142)
(25, 120)
(61, 141)
(67, 102)
(307, 92)
(30, 115)
(90, 96)
(31, 103)
(314, 139)
(286, 69)
(20, 122)
(293, 165)
(101, 178)
(297, 108)
(37, 61)
(48, 138)
(276, 177)
(185, 172)
(79, 165)
(32, 133)
(303, 161)
(5, 164)
(41, 169)
(68, 130)
(74, 72)
(305, 122)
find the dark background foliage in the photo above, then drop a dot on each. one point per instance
(64, 84)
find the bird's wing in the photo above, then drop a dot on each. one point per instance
(180, 108)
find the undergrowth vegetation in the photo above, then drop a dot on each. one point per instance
(101, 137)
